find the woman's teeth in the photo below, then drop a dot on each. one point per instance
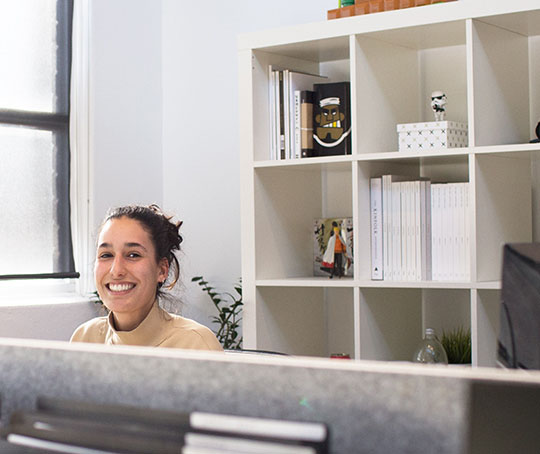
(120, 287)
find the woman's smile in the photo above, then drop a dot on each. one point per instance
(120, 288)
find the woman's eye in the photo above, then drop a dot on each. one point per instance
(105, 255)
(134, 255)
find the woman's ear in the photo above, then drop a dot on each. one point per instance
(163, 266)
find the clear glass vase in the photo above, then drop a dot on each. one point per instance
(430, 350)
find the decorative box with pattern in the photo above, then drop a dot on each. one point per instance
(431, 135)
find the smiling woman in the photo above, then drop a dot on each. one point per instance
(134, 263)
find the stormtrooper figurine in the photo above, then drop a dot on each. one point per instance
(438, 104)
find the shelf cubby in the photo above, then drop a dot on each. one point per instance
(486, 323)
(307, 321)
(390, 323)
(287, 201)
(395, 73)
(502, 191)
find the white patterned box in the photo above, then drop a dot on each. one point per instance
(431, 135)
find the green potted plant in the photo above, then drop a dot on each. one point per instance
(457, 344)
(229, 307)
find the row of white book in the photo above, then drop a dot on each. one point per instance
(419, 230)
(285, 90)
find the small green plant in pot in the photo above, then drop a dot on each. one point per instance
(229, 307)
(457, 344)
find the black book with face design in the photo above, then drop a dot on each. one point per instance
(332, 119)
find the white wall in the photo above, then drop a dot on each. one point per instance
(125, 103)
(201, 132)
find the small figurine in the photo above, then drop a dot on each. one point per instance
(537, 140)
(336, 252)
(438, 104)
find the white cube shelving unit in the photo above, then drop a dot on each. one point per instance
(485, 56)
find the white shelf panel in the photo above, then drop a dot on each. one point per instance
(410, 155)
(306, 282)
(429, 284)
(310, 34)
(524, 23)
(515, 149)
(424, 36)
(349, 282)
(511, 149)
(306, 163)
(412, 17)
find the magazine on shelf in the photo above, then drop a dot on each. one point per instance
(331, 235)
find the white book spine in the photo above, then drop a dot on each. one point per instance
(277, 114)
(272, 112)
(460, 224)
(297, 131)
(403, 230)
(408, 250)
(426, 222)
(286, 112)
(435, 233)
(387, 226)
(445, 233)
(411, 243)
(396, 227)
(450, 224)
(418, 267)
(467, 227)
(376, 229)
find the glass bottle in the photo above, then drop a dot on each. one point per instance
(430, 350)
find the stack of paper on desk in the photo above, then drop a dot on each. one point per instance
(88, 428)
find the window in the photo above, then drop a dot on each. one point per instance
(35, 51)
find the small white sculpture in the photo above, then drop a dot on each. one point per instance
(438, 104)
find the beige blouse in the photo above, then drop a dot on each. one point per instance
(158, 329)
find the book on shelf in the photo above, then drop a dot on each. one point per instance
(401, 242)
(286, 113)
(332, 119)
(450, 231)
(376, 228)
(61, 425)
(305, 123)
(333, 247)
(272, 112)
(387, 228)
(425, 229)
(297, 83)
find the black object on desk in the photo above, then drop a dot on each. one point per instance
(503, 418)
(519, 337)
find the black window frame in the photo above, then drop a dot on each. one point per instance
(57, 122)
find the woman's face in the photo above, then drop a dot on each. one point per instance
(126, 271)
